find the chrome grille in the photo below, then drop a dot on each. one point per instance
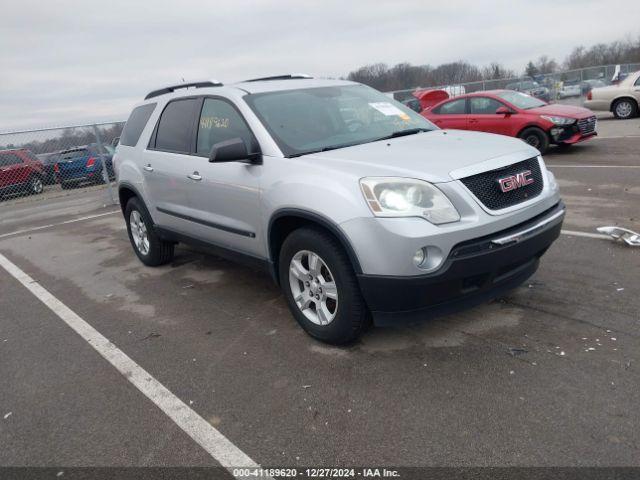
(587, 125)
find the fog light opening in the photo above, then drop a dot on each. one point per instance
(420, 257)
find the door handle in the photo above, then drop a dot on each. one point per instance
(148, 167)
(195, 176)
(473, 120)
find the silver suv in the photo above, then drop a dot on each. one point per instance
(360, 208)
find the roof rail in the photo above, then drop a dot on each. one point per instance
(173, 88)
(291, 76)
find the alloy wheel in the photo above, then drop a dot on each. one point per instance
(533, 140)
(313, 287)
(36, 185)
(139, 232)
(624, 109)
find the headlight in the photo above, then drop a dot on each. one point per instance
(407, 197)
(559, 120)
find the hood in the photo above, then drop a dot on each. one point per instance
(562, 110)
(430, 156)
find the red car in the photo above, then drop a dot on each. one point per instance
(20, 172)
(515, 114)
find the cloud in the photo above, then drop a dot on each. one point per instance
(82, 61)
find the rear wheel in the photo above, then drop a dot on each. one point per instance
(321, 288)
(35, 185)
(536, 137)
(150, 249)
(625, 108)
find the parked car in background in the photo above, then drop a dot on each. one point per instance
(589, 85)
(531, 88)
(621, 99)
(20, 172)
(49, 161)
(515, 114)
(569, 89)
(82, 164)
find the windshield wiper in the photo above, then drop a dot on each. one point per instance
(326, 149)
(399, 133)
(403, 133)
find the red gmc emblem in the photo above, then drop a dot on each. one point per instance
(513, 182)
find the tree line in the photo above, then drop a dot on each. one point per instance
(65, 139)
(405, 75)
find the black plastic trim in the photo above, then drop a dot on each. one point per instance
(323, 221)
(475, 272)
(237, 231)
(246, 259)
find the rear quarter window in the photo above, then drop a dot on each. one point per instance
(135, 125)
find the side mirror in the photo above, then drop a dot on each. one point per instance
(233, 150)
(504, 111)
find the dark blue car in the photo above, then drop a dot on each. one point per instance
(82, 164)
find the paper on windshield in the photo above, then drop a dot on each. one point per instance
(388, 109)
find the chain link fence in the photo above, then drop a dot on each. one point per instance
(41, 165)
(570, 85)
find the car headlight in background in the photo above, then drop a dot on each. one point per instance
(559, 120)
(407, 197)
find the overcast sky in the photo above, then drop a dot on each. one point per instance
(66, 62)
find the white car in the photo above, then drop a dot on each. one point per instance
(569, 91)
(621, 99)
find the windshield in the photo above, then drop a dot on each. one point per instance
(521, 100)
(316, 119)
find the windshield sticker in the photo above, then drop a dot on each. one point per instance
(389, 110)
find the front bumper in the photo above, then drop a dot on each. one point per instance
(475, 271)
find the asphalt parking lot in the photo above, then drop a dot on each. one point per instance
(548, 375)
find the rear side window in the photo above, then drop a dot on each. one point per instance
(7, 159)
(452, 108)
(175, 126)
(136, 123)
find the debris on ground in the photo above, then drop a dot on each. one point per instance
(622, 234)
(7, 415)
(306, 386)
(188, 286)
(151, 335)
(514, 351)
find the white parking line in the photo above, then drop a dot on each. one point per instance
(66, 222)
(210, 439)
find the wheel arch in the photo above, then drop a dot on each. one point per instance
(126, 191)
(531, 125)
(286, 220)
(623, 97)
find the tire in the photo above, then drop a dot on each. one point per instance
(36, 186)
(625, 108)
(347, 314)
(535, 137)
(153, 252)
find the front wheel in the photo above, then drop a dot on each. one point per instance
(536, 137)
(150, 249)
(321, 288)
(35, 185)
(625, 108)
